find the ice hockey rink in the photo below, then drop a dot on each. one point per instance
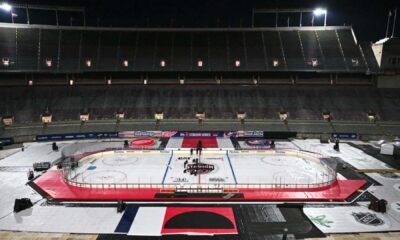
(166, 166)
(230, 167)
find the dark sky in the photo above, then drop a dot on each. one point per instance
(368, 17)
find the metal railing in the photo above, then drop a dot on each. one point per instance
(190, 187)
(328, 179)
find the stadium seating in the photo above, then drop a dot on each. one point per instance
(72, 50)
(219, 102)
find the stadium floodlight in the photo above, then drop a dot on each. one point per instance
(319, 11)
(6, 7)
(163, 63)
(237, 63)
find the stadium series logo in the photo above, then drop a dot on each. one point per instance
(367, 218)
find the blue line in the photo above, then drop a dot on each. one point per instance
(230, 164)
(166, 170)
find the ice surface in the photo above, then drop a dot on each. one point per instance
(115, 167)
(276, 169)
(221, 173)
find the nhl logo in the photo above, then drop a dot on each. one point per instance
(367, 218)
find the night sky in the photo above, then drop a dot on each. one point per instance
(368, 17)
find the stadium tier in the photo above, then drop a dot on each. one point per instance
(52, 49)
(218, 102)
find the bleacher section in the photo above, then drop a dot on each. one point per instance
(76, 49)
(218, 101)
(332, 49)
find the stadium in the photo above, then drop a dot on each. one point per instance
(153, 121)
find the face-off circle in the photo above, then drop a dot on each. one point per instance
(120, 160)
(143, 142)
(106, 176)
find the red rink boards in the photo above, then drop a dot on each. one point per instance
(53, 185)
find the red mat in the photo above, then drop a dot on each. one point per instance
(208, 142)
(52, 183)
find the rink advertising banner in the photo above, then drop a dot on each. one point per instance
(344, 135)
(244, 134)
(76, 136)
(6, 141)
(199, 134)
(220, 134)
(158, 134)
(129, 134)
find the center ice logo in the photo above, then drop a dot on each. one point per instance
(367, 218)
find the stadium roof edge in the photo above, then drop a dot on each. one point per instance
(27, 26)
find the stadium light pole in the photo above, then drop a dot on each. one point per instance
(319, 12)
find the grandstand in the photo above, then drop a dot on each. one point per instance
(78, 50)
(65, 71)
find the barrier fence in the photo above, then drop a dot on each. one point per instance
(190, 187)
(79, 153)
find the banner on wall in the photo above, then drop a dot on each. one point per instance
(6, 141)
(199, 134)
(345, 135)
(76, 136)
(132, 134)
(244, 134)
(158, 134)
(168, 134)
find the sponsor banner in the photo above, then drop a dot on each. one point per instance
(244, 134)
(199, 134)
(344, 135)
(75, 136)
(6, 141)
(129, 134)
(168, 134)
(157, 134)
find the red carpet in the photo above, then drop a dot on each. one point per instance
(208, 142)
(54, 186)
